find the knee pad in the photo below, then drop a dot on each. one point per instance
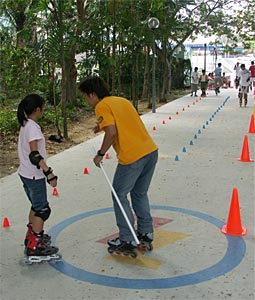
(44, 213)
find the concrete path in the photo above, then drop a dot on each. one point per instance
(200, 142)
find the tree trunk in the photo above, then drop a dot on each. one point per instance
(169, 66)
(145, 93)
(71, 76)
(164, 75)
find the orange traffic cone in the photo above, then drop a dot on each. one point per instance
(107, 156)
(163, 122)
(55, 192)
(85, 171)
(234, 224)
(6, 222)
(245, 157)
(154, 128)
(252, 128)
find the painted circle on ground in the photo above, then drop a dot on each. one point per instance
(234, 254)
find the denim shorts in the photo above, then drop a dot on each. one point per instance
(36, 192)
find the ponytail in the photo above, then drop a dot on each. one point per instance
(27, 106)
(21, 114)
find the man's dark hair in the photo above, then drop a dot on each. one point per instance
(95, 85)
(242, 65)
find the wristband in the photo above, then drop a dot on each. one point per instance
(48, 172)
(100, 154)
(53, 178)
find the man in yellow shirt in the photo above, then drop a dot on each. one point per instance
(137, 157)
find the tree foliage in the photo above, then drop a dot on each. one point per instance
(47, 46)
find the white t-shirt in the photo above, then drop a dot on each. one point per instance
(30, 132)
(244, 75)
(194, 77)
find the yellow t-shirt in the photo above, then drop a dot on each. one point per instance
(132, 141)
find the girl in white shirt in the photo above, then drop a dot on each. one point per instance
(32, 171)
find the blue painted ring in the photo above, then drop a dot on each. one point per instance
(234, 254)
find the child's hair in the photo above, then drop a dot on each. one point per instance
(95, 85)
(27, 106)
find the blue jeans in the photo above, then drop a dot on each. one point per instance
(135, 179)
(36, 192)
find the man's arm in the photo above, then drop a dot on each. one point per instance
(109, 137)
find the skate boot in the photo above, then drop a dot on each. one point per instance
(121, 247)
(46, 238)
(145, 241)
(37, 250)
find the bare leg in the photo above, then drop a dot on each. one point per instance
(37, 223)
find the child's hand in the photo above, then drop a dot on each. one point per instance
(52, 179)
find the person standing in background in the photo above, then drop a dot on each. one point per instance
(252, 71)
(194, 82)
(244, 82)
(217, 80)
(203, 79)
(237, 69)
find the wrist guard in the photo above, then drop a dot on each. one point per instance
(49, 171)
(53, 178)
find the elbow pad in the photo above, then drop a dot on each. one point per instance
(35, 157)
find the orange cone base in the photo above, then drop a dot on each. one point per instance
(245, 160)
(225, 230)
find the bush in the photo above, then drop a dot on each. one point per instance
(8, 121)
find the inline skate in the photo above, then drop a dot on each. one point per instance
(145, 241)
(38, 251)
(45, 237)
(116, 246)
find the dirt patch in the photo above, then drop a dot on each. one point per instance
(79, 130)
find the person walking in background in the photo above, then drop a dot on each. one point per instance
(252, 71)
(194, 82)
(217, 80)
(32, 171)
(137, 157)
(203, 79)
(237, 70)
(244, 82)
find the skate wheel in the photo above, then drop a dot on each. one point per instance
(26, 261)
(150, 247)
(110, 250)
(133, 254)
(56, 258)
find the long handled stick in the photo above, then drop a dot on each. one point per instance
(120, 205)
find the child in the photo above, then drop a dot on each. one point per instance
(194, 81)
(203, 79)
(32, 171)
(244, 82)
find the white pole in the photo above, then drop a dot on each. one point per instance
(120, 205)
